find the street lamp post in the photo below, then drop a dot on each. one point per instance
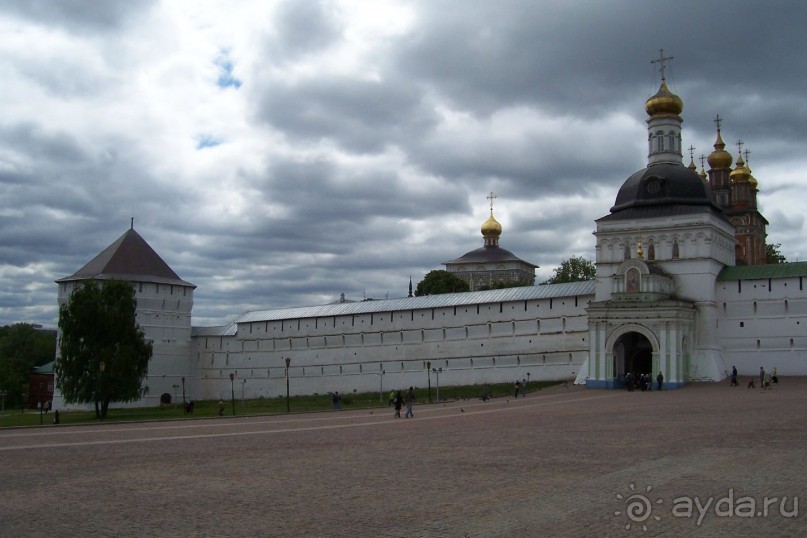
(288, 407)
(184, 407)
(232, 391)
(438, 371)
(429, 376)
(101, 368)
(381, 387)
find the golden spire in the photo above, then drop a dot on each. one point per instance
(719, 158)
(740, 173)
(692, 159)
(491, 229)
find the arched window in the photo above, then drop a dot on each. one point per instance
(651, 251)
(675, 252)
(671, 140)
(660, 140)
(627, 250)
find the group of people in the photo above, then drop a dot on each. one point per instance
(644, 382)
(520, 387)
(766, 379)
(397, 399)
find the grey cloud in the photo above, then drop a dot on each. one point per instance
(77, 16)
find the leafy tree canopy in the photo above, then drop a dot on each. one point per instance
(22, 346)
(502, 284)
(98, 326)
(773, 255)
(575, 269)
(440, 281)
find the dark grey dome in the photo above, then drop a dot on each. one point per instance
(663, 184)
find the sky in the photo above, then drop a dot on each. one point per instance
(282, 153)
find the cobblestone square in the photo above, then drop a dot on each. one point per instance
(564, 461)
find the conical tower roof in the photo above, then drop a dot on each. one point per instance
(129, 258)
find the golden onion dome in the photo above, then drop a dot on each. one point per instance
(491, 227)
(741, 173)
(703, 175)
(692, 165)
(752, 180)
(719, 158)
(664, 102)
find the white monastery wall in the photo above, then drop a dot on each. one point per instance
(764, 323)
(478, 343)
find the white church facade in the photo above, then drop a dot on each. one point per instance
(680, 289)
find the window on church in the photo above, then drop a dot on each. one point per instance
(651, 251)
(671, 140)
(675, 252)
(660, 140)
(627, 251)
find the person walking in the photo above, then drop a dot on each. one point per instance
(523, 388)
(660, 380)
(391, 397)
(761, 377)
(517, 388)
(410, 400)
(398, 403)
(734, 382)
(336, 399)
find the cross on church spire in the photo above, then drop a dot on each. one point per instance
(691, 152)
(718, 121)
(740, 146)
(747, 153)
(660, 60)
(491, 197)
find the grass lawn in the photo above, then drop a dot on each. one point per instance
(259, 406)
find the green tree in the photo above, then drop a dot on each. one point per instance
(22, 347)
(99, 331)
(773, 255)
(502, 284)
(575, 269)
(440, 281)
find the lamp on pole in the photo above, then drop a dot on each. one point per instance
(101, 368)
(381, 387)
(288, 407)
(243, 385)
(438, 371)
(429, 376)
(232, 391)
(184, 408)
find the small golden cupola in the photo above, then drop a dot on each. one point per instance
(491, 229)
(720, 158)
(664, 102)
(741, 173)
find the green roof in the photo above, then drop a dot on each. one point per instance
(46, 368)
(760, 272)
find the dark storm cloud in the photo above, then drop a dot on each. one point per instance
(76, 16)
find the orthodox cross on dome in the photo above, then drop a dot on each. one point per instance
(131, 224)
(660, 60)
(740, 144)
(491, 197)
(702, 159)
(718, 121)
(692, 152)
(747, 153)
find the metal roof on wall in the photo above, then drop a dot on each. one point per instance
(759, 272)
(526, 293)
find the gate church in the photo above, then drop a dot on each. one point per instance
(681, 288)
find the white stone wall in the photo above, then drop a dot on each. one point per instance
(484, 343)
(763, 323)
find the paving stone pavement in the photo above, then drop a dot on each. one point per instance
(564, 461)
